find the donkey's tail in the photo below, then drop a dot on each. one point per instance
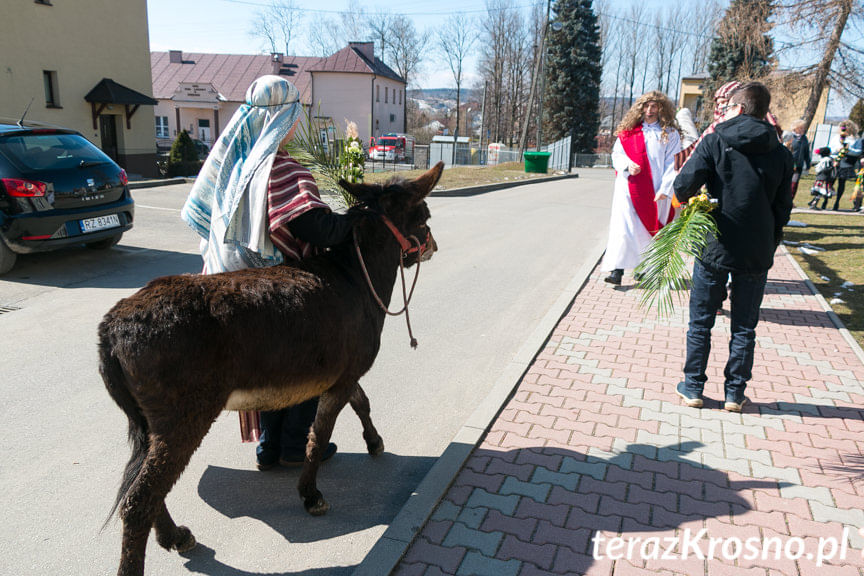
(118, 388)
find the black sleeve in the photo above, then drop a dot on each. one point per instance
(321, 227)
(696, 171)
(782, 206)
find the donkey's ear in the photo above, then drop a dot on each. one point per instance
(426, 182)
(361, 192)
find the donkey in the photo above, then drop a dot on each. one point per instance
(184, 348)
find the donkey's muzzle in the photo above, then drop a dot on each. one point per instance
(431, 248)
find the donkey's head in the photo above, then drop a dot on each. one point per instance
(402, 203)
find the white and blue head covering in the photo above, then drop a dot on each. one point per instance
(227, 205)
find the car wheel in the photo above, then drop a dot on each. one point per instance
(7, 258)
(105, 244)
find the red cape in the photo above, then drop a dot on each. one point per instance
(642, 185)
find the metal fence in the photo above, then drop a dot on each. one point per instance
(559, 154)
(592, 161)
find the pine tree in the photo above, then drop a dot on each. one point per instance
(183, 158)
(573, 71)
(857, 113)
(741, 49)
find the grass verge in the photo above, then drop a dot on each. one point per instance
(464, 176)
(843, 260)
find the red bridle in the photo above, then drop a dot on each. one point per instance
(404, 243)
(407, 248)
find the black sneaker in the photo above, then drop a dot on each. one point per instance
(298, 461)
(733, 405)
(690, 399)
(615, 277)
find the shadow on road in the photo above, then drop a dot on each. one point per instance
(202, 560)
(120, 267)
(357, 487)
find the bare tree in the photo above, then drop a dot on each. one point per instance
(493, 46)
(455, 39)
(322, 40)
(353, 22)
(276, 24)
(516, 70)
(840, 62)
(406, 47)
(380, 25)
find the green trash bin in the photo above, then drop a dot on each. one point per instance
(537, 162)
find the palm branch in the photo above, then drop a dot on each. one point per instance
(663, 269)
(310, 150)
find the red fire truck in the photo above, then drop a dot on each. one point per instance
(392, 147)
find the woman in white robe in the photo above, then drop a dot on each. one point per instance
(628, 235)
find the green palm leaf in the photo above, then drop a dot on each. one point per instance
(663, 268)
(322, 158)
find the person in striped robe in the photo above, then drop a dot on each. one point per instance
(254, 206)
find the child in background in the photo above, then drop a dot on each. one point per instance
(858, 194)
(823, 186)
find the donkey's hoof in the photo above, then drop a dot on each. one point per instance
(185, 540)
(316, 506)
(375, 448)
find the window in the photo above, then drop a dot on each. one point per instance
(392, 118)
(162, 127)
(52, 94)
(43, 2)
(386, 94)
(400, 97)
(377, 93)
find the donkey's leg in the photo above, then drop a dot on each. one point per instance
(169, 535)
(331, 403)
(360, 404)
(171, 447)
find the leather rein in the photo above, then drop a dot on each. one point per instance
(407, 246)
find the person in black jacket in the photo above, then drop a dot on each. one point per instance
(749, 172)
(800, 154)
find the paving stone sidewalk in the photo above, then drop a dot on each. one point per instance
(595, 443)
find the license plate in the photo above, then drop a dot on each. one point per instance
(100, 223)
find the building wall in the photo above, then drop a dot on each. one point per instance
(389, 114)
(67, 37)
(344, 96)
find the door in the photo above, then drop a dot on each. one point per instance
(108, 132)
(204, 130)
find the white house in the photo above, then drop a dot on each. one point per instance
(200, 92)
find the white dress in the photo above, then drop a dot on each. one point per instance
(628, 237)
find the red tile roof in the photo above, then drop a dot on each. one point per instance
(349, 59)
(231, 74)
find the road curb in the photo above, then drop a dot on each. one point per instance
(856, 348)
(394, 543)
(474, 190)
(138, 184)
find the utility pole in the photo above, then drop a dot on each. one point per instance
(483, 118)
(542, 68)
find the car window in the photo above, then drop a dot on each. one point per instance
(30, 152)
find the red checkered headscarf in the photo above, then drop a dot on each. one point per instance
(723, 92)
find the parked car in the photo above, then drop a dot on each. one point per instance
(56, 190)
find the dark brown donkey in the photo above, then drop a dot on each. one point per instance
(184, 348)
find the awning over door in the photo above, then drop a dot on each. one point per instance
(108, 91)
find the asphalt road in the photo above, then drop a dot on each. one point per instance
(504, 257)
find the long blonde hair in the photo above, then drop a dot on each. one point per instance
(634, 115)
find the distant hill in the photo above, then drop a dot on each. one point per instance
(441, 94)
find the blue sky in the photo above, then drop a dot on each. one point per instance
(222, 26)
